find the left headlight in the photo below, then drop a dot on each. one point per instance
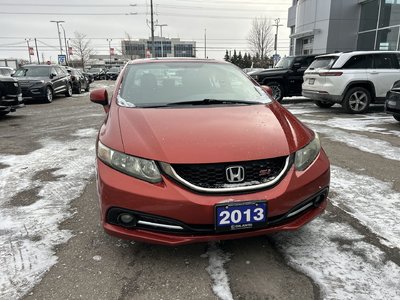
(134, 166)
(305, 156)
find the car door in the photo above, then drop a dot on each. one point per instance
(384, 72)
(296, 75)
(62, 79)
(55, 80)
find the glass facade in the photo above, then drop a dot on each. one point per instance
(379, 25)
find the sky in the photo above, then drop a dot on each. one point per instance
(226, 22)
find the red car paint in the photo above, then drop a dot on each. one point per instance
(203, 134)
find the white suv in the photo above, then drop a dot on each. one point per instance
(353, 79)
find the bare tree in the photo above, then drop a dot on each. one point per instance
(82, 47)
(261, 37)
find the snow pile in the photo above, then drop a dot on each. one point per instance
(36, 190)
(338, 259)
(217, 258)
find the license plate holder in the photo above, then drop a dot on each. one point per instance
(311, 81)
(234, 216)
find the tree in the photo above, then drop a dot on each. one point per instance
(82, 47)
(226, 57)
(261, 38)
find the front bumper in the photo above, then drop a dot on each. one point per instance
(321, 96)
(11, 103)
(34, 92)
(169, 203)
(392, 104)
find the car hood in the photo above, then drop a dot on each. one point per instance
(211, 134)
(32, 79)
(273, 71)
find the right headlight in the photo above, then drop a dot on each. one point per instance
(305, 156)
(141, 168)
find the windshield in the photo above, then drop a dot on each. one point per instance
(323, 62)
(158, 84)
(32, 72)
(284, 63)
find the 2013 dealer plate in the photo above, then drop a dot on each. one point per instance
(240, 215)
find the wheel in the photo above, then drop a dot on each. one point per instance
(68, 93)
(3, 113)
(324, 104)
(396, 117)
(277, 90)
(357, 100)
(79, 89)
(48, 97)
(87, 87)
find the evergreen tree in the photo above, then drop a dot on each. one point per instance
(239, 62)
(226, 57)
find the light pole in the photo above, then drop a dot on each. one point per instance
(152, 30)
(65, 43)
(205, 42)
(161, 26)
(59, 35)
(109, 48)
(29, 50)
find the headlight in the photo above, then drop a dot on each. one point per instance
(134, 166)
(305, 156)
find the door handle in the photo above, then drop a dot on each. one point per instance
(373, 73)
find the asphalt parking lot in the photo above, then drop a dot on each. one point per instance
(52, 245)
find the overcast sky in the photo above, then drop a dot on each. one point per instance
(227, 22)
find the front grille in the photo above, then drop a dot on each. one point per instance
(213, 176)
(10, 88)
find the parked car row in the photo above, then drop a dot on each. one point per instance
(102, 74)
(353, 79)
(10, 92)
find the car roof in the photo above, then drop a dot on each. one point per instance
(174, 59)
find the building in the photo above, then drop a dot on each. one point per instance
(325, 26)
(164, 47)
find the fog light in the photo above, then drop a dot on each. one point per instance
(127, 220)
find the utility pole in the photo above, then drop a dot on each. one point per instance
(205, 42)
(153, 52)
(161, 26)
(65, 42)
(276, 35)
(37, 52)
(59, 35)
(109, 48)
(29, 50)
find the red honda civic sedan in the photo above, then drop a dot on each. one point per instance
(193, 150)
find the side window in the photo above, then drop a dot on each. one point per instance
(53, 71)
(358, 62)
(385, 61)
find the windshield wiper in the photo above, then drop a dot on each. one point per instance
(212, 102)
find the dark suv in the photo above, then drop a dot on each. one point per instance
(286, 78)
(44, 81)
(10, 95)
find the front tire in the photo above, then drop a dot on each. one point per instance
(396, 117)
(48, 97)
(87, 87)
(277, 90)
(68, 93)
(3, 113)
(357, 100)
(79, 89)
(324, 104)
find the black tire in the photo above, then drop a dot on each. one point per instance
(79, 89)
(357, 100)
(87, 87)
(3, 113)
(396, 117)
(49, 95)
(277, 90)
(68, 92)
(323, 104)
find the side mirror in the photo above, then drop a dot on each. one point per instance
(99, 96)
(296, 66)
(52, 75)
(267, 90)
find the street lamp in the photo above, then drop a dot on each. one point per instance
(161, 26)
(109, 48)
(65, 42)
(59, 35)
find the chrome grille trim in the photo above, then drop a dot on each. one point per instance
(147, 223)
(168, 169)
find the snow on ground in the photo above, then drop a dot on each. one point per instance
(340, 261)
(373, 202)
(217, 258)
(57, 173)
(357, 141)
